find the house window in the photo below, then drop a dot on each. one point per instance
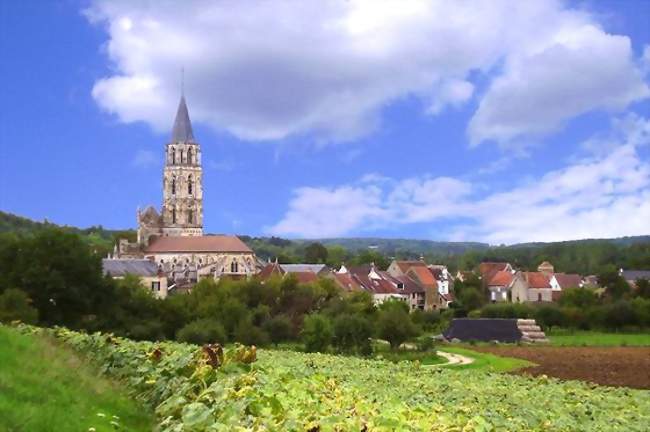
(539, 297)
(234, 267)
(155, 286)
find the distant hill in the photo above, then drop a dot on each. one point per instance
(101, 239)
(581, 256)
(397, 247)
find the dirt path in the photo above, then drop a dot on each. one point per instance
(454, 359)
(612, 366)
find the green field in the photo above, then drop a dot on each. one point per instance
(46, 387)
(595, 338)
(194, 389)
(486, 362)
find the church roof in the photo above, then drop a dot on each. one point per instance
(212, 243)
(182, 131)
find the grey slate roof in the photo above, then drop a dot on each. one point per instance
(301, 268)
(182, 131)
(633, 275)
(122, 267)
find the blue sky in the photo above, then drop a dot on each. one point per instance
(316, 119)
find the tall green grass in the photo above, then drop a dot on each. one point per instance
(46, 387)
(596, 338)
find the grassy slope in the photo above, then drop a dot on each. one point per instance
(594, 338)
(45, 387)
(487, 362)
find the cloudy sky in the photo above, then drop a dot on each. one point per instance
(494, 121)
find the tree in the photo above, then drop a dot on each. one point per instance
(578, 297)
(352, 333)
(471, 298)
(369, 256)
(616, 287)
(59, 272)
(549, 316)
(279, 329)
(249, 334)
(394, 325)
(643, 288)
(316, 253)
(15, 305)
(336, 255)
(202, 331)
(317, 333)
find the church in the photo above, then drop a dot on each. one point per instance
(173, 238)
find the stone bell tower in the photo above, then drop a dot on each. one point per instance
(182, 209)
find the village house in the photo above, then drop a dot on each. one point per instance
(434, 283)
(499, 286)
(380, 284)
(304, 273)
(531, 287)
(151, 277)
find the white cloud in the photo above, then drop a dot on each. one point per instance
(605, 195)
(269, 70)
(580, 70)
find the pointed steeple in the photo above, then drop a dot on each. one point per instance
(182, 131)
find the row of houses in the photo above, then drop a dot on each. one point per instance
(421, 286)
(506, 284)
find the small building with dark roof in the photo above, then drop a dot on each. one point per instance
(151, 276)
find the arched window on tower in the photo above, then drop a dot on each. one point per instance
(234, 267)
(181, 156)
(189, 184)
(190, 216)
(189, 155)
(173, 151)
(174, 186)
(173, 215)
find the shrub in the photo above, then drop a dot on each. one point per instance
(619, 314)
(425, 343)
(507, 310)
(317, 333)
(202, 331)
(578, 297)
(16, 305)
(549, 316)
(352, 333)
(395, 326)
(279, 329)
(249, 334)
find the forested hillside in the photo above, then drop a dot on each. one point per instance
(581, 256)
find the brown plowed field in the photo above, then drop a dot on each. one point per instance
(615, 366)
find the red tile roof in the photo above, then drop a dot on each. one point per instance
(568, 280)
(406, 265)
(347, 282)
(491, 267)
(537, 280)
(423, 275)
(501, 278)
(410, 286)
(305, 277)
(217, 243)
(270, 270)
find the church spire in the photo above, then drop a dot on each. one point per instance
(182, 131)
